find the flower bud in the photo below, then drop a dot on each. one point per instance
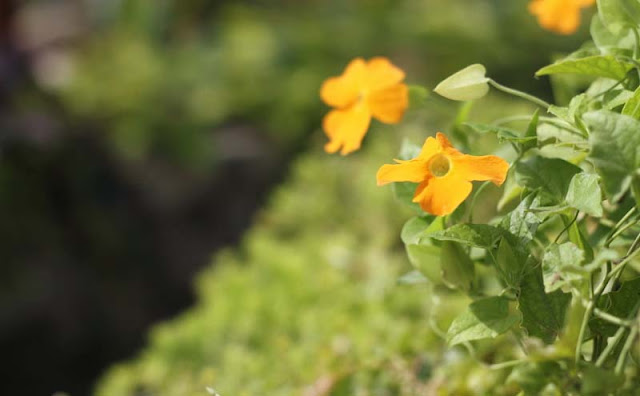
(468, 84)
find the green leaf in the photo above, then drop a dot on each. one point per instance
(632, 107)
(618, 303)
(510, 264)
(584, 194)
(549, 175)
(618, 15)
(577, 236)
(423, 256)
(476, 235)
(468, 84)
(550, 131)
(597, 66)
(458, 271)
(615, 149)
(511, 192)
(563, 152)
(486, 318)
(607, 41)
(542, 314)
(417, 96)
(522, 222)
(404, 192)
(503, 134)
(616, 98)
(414, 227)
(561, 266)
(426, 259)
(577, 106)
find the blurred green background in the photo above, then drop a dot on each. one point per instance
(139, 137)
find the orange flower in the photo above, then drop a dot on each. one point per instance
(364, 90)
(560, 16)
(444, 174)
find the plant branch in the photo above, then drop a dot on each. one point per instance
(520, 94)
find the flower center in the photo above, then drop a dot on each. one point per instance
(439, 165)
(362, 96)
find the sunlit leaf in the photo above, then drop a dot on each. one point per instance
(477, 235)
(552, 176)
(561, 266)
(597, 66)
(457, 268)
(584, 194)
(617, 15)
(632, 107)
(486, 318)
(615, 152)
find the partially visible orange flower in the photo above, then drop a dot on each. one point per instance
(364, 90)
(560, 16)
(444, 174)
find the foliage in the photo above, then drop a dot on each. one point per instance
(559, 261)
(311, 301)
(302, 304)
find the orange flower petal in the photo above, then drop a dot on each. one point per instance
(344, 90)
(444, 142)
(442, 195)
(389, 104)
(346, 128)
(381, 73)
(560, 16)
(487, 167)
(430, 148)
(569, 23)
(404, 171)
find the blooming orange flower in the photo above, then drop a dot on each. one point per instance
(444, 174)
(560, 16)
(364, 90)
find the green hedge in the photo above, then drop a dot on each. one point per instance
(311, 299)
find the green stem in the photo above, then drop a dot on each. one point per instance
(630, 253)
(519, 94)
(587, 314)
(620, 222)
(622, 230)
(610, 346)
(567, 227)
(549, 120)
(503, 365)
(616, 338)
(636, 49)
(622, 358)
(611, 318)
(520, 341)
(598, 341)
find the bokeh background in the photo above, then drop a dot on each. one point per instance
(143, 142)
